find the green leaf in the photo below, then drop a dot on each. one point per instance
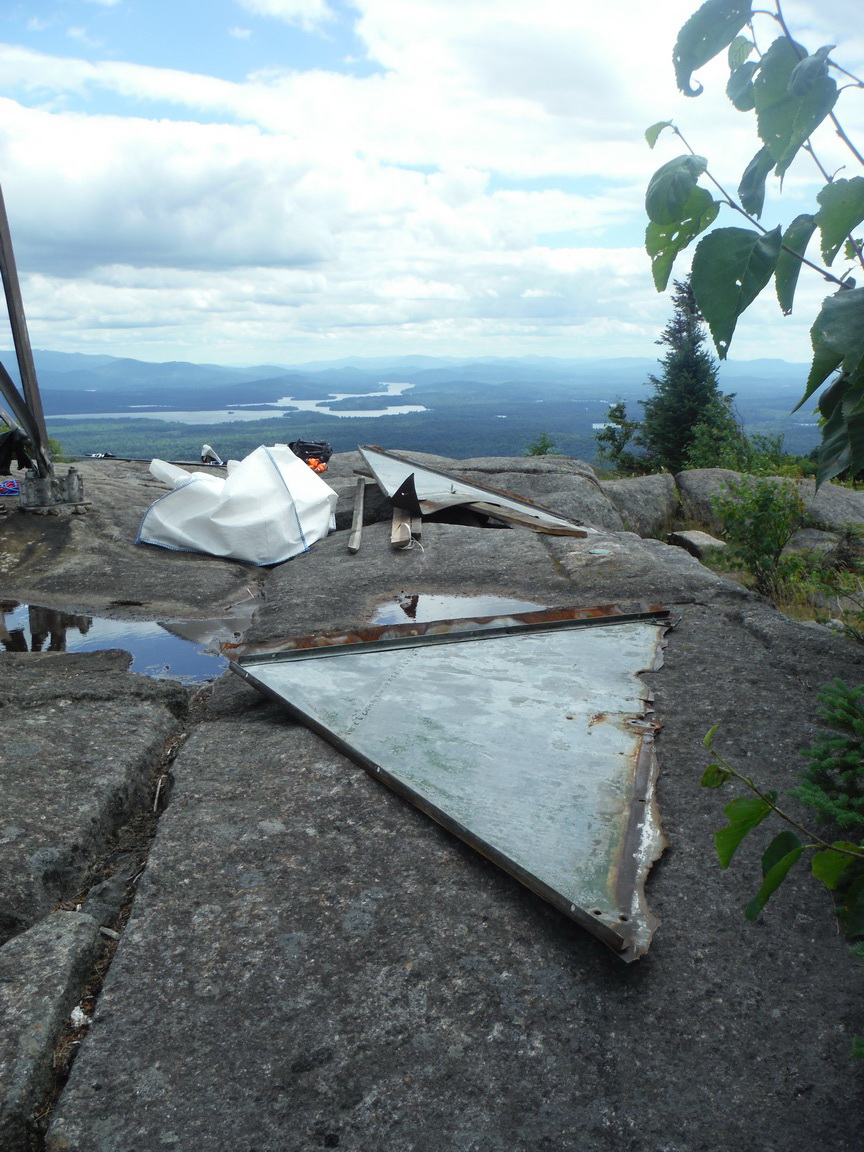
(839, 329)
(708, 31)
(851, 915)
(841, 208)
(708, 738)
(842, 406)
(786, 120)
(730, 268)
(663, 242)
(834, 449)
(739, 87)
(829, 865)
(853, 414)
(671, 187)
(783, 851)
(743, 814)
(739, 50)
(825, 361)
(652, 134)
(808, 72)
(715, 776)
(780, 847)
(795, 240)
(751, 190)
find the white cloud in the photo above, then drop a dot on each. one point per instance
(240, 33)
(308, 14)
(82, 37)
(481, 192)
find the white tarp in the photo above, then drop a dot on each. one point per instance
(270, 507)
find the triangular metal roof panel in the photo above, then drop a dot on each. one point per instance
(531, 741)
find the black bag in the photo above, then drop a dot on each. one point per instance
(312, 450)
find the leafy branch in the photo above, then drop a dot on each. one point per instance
(729, 201)
(792, 92)
(830, 861)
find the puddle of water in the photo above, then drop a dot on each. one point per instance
(425, 608)
(156, 651)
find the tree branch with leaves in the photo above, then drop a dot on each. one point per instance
(791, 92)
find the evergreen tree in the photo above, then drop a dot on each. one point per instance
(613, 440)
(686, 395)
(719, 440)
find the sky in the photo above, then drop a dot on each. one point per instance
(278, 181)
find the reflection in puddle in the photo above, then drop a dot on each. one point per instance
(424, 608)
(156, 651)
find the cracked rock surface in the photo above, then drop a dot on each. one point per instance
(310, 962)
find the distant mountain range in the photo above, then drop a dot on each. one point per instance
(488, 405)
(76, 372)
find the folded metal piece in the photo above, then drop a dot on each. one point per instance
(528, 736)
(419, 488)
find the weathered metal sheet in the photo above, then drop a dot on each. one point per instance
(420, 488)
(532, 741)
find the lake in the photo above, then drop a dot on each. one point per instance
(284, 407)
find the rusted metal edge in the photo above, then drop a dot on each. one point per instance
(643, 842)
(439, 630)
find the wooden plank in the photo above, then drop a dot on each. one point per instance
(526, 520)
(357, 522)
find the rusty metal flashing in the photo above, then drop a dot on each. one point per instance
(620, 840)
(541, 618)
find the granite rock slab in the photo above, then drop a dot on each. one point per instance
(42, 972)
(81, 740)
(335, 970)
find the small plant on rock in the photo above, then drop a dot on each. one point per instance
(759, 518)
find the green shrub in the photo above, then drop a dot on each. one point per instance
(759, 518)
(544, 445)
(833, 783)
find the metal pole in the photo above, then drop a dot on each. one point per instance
(18, 324)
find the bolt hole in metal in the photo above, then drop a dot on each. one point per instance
(156, 651)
